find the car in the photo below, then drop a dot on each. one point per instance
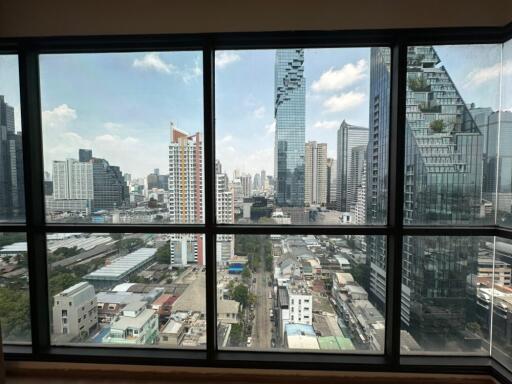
(249, 341)
(254, 280)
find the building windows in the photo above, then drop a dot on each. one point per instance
(287, 233)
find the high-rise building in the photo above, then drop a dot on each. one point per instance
(72, 180)
(358, 209)
(110, 189)
(349, 136)
(498, 173)
(12, 199)
(225, 215)
(315, 175)
(218, 166)
(186, 195)
(290, 116)
(84, 155)
(442, 185)
(246, 181)
(356, 173)
(331, 183)
(256, 184)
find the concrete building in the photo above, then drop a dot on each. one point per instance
(315, 174)
(172, 334)
(228, 311)
(110, 304)
(75, 312)
(136, 325)
(225, 215)
(73, 187)
(331, 183)
(246, 182)
(186, 195)
(349, 136)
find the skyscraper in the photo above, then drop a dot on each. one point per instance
(315, 175)
(290, 115)
(442, 186)
(84, 155)
(246, 181)
(356, 174)
(12, 199)
(186, 195)
(110, 189)
(331, 183)
(349, 136)
(225, 215)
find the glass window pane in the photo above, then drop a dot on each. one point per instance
(442, 279)
(126, 289)
(498, 293)
(123, 137)
(505, 141)
(14, 290)
(12, 198)
(302, 136)
(300, 293)
(452, 113)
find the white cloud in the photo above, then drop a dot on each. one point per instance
(191, 73)
(153, 61)
(130, 153)
(259, 112)
(226, 139)
(224, 58)
(270, 129)
(112, 127)
(59, 116)
(326, 124)
(338, 79)
(480, 76)
(344, 101)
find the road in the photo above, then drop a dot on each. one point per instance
(262, 329)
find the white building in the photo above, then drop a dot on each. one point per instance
(301, 306)
(136, 325)
(246, 182)
(72, 186)
(186, 195)
(315, 173)
(75, 312)
(225, 215)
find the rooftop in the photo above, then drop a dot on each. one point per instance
(194, 297)
(122, 266)
(125, 322)
(335, 343)
(172, 326)
(15, 247)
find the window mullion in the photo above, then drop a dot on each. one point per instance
(395, 201)
(209, 198)
(34, 197)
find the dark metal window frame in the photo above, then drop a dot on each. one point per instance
(28, 50)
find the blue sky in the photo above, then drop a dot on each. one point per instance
(121, 104)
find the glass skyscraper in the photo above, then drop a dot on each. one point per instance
(442, 185)
(290, 115)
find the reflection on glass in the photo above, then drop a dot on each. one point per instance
(293, 141)
(12, 198)
(298, 293)
(127, 289)
(122, 137)
(14, 294)
(451, 113)
(443, 281)
(505, 142)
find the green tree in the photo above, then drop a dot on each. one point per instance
(15, 314)
(246, 273)
(130, 244)
(61, 281)
(241, 294)
(437, 126)
(163, 253)
(236, 336)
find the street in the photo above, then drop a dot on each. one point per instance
(262, 329)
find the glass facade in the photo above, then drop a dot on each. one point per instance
(290, 115)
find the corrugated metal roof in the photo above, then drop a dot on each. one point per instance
(123, 265)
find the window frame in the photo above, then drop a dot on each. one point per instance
(28, 51)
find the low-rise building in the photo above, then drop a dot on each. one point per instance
(75, 312)
(228, 311)
(172, 334)
(136, 325)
